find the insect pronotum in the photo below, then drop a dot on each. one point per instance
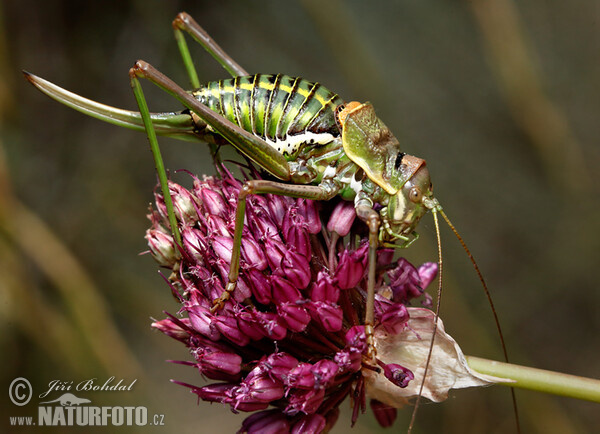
(316, 147)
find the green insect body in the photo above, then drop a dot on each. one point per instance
(301, 120)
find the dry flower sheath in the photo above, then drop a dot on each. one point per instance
(290, 344)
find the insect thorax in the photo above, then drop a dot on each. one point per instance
(289, 113)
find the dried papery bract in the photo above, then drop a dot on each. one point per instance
(448, 368)
(290, 344)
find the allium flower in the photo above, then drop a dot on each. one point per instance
(290, 343)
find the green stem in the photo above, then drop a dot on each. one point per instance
(540, 380)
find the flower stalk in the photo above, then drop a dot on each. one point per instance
(540, 380)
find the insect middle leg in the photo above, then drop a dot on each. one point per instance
(323, 191)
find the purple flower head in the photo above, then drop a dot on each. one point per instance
(289, 344)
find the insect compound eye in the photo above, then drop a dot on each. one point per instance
(415, 195)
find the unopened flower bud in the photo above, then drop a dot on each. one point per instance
(302, 376)
(296, 234)
(384, 414)
(308, 209)
(168, 327)
(284, 291)
(294, 315)
(162, 247)
(193, 243)
(260, 286)
(329, 315)
(324, 289)
(305, 401)
(278, 365)
(249, 325)
(309, 424)
(265, 422)
(213, 202)
(296, 268)
(275, 251)
(342, 218)
(272, 326)
(223, 247)
(217, 225)
(217, 361)
(228, 326)
(397, 374)
(279, 205)
(214, 392)
(184, 204)
(253, 254)
(201, 321)
(352, 266)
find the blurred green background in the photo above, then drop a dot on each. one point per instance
(501, 99)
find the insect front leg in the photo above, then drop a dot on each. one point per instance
(371, 217)
(323, 191)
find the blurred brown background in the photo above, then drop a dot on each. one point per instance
(501, 99)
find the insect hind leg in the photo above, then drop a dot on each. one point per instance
(158, 160)
(185, 23)
(248, 144)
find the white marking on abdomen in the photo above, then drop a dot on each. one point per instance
(290, 144)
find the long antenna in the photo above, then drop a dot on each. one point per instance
(489, 297)
(435, 322)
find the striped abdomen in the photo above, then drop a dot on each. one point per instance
(286, 112)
